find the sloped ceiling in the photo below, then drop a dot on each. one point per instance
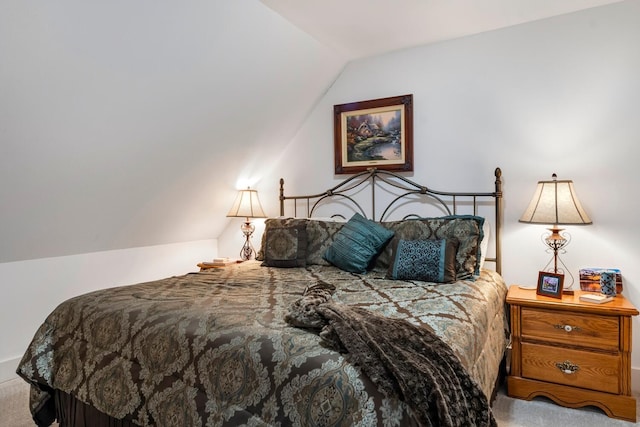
(360, 28)
(126, 124)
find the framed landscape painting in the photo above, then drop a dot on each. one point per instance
(374, 134)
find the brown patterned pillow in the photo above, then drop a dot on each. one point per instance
(467, 229)
(320, 235)
(286, 247)
(273, 223)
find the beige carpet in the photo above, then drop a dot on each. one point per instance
(14, 411)
(541, 412)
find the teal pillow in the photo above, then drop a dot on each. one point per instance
(425, 260)
(357, 244)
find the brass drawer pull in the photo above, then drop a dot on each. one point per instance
(568, 328)
(567, 367)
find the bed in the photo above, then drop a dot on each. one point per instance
(348, 318)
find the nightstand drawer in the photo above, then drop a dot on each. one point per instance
(590, 370)
(567, 328)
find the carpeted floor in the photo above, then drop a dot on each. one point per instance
(14, 411)
(14, 408)
(542, 412)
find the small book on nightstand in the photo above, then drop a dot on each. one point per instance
(595, 298)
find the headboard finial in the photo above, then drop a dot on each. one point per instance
(498, 183)
(281, 196)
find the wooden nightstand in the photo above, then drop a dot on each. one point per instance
(207, 265)
(575, 353)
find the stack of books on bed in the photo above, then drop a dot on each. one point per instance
(220, 262)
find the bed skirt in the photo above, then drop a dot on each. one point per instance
(72, 412)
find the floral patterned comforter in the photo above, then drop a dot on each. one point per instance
(213, 348)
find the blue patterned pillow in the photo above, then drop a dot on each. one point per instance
(425, 260)
(466, 229)
(357, 244)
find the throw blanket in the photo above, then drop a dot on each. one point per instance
(402, 359)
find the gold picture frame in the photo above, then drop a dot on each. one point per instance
(377, 133)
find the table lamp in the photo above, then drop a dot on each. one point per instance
(555, 202)
(247, 205)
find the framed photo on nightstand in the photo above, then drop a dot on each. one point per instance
(550, 284)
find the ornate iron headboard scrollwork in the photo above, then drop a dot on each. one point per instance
(395, 193)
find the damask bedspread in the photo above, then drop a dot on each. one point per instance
(213, 348)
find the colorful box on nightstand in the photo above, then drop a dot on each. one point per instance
(590, 279)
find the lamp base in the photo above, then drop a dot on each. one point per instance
(557, 242)
(247, 252)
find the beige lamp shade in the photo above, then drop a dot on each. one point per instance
(555, 202)
(247, 205)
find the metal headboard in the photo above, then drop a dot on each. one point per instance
(401, 191)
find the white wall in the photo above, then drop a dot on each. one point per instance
(127, 124)
(32, 289)
(559, 95)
